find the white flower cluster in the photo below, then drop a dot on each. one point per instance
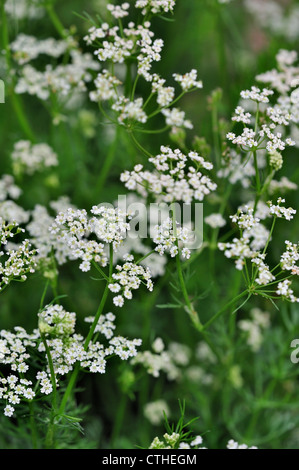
(56, 321)
(15, 263)
(105, 84)
(188, 81)
(281, 211)
(73, 226)
(268, 131)
(26, 48)
(235, 445)
(119, 11)
(47, 243)
(29, 158)
(253, 237)
(177, 177)
(66, 348)
(273, 15)
(61, 81)
(281, 186)
(12, 212)
(153, 411)
(129, 111)
(254, 327)
(8, 188)
(285, 77)
(128, 277)
(155, 6)
(136, 41)
(20, 9)
(290, 257)
(13, 353)
(253, 242)
(284, 290)
(174, 441)
(65, 352)
(171, 361)
(215, 220)
(172, 239)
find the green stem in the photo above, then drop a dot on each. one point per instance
(154, 113)
(145, 256)
(189, 307)
(215, 129)
(15, 100)
(258, 181)
(49, 440)
(56, 21)
(223, 309)
(139, 146)
(257, 412)
(76, 370)
(108, 162)
(33, 426)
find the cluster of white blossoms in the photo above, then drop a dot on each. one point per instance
(283, 78)
(254, 327)
(46, 242)
(175, 441)
(17, 262)
(62, 81)
(26, 48)
(290, 257)
(119, 11)
(67, 348)
(171, 361)
(20, 9)
(137, 41)
(280, 211)
(177, 177)
(268, 132)
(155, 6)
(14, 386)
(215, 220)
(279, 18)
(129, 110)
(252, 245)
(153, 411)
(8, 188)
(73, 227)
(128, 277)
(57, 328)
(29, 158)
(171, 239)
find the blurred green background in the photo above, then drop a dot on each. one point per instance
(228, 48)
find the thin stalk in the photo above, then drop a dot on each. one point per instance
(49, 440)
(257, 180)
(76, 370)
(223, 309)
(33, 426)
(139, 146)
(154, 113)
(189, 307)
(15, 99)
(145, 256)
(108, 162)
(56, 21)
